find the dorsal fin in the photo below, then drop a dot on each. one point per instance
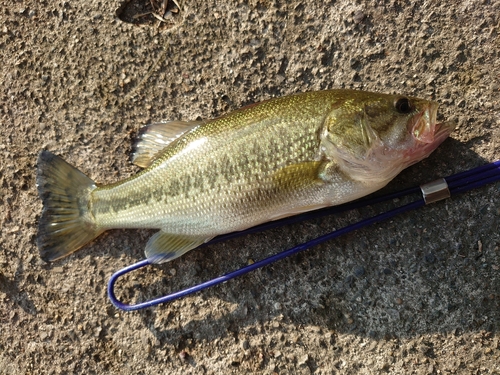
(153, 139)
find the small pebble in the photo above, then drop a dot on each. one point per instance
(430, 258)
(359, 16)
(394, 314)
(359, 271)
(349, 280)
(303, 360)
(385, 367)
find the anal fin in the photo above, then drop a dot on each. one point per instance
(164, 247)
(154, 138)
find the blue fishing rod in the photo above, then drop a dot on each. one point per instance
(429, 193)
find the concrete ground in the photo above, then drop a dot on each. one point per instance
(419, 294)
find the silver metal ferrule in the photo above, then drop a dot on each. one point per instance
(435, 191)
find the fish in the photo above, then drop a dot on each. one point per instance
(263, 162)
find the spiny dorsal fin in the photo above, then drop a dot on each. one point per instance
(153, 139)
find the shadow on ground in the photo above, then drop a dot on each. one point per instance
(427, 271)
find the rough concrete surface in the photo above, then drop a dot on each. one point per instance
(419, 294)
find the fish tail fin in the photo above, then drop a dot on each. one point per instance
(66, 223)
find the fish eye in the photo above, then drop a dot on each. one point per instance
(403, 105)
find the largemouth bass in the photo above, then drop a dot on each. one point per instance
(263, 162)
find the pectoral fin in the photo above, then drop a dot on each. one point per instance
(307, 174)
(154, 138)
(302, 177)
(164, 247)
(297, 175)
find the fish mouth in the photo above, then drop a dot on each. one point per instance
(443, 130)
(423, 124)
(427, 133)
(425, 128)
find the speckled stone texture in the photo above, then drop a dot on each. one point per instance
(419, 294)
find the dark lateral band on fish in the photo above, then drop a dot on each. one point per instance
(263, 162)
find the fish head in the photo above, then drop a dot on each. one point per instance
(372, 137)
